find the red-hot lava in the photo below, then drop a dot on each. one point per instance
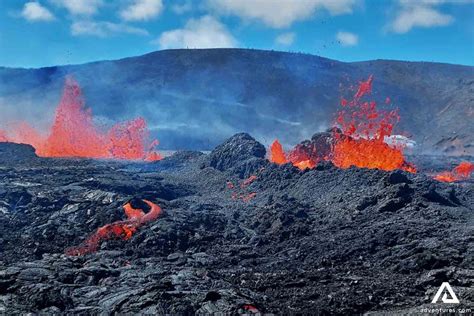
(74, 134)
(359, 139)
(462, 172)
(296, 157)
(241, 192)
(277, 154)
(3, 136)
(121, 229)
(364, 129)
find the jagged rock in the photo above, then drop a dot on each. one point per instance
(235, 150)
(397, 177)
(306, 242)
(11, 152)
(318, 148)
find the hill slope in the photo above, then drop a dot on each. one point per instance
(196, 98)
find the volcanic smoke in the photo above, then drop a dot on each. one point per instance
(74, 134)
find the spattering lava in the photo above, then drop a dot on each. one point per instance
(74, 133)
(461, 172)
(359, 138)
(121, 229)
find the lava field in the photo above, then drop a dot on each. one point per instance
(234, 233)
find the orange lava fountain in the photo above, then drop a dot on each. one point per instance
(364, 128)
(74, 134)
(462, 172)
(121, 229)
(299, 160)
(359, 140)
(277, 154)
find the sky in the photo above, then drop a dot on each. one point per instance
(58, 32)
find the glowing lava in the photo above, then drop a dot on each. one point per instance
(121, 229)
(362, 140)
(74, 134)
(296, 157)
(359, 139)
(461, 172)
(277, 154)
(3, 136)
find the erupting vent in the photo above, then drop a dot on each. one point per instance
(74, 134)
(364, 129)
(359, 139)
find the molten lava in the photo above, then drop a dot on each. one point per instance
(462, 172)
(277, 154)
(248, 181)
(3, 136)
(121, 229)
(364, 129)
(358, 139)
(74, 134)
(298, 158)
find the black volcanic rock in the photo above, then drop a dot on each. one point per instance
(319, 241)
(13, 152)
(235, 150)
(318, 148)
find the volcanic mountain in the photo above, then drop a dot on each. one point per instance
(194, 99)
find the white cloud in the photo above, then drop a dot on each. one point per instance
(421, 13)
(79, 7)
(205, 32)
(142, 10)
(34, 11)
(183, 7)
(285, 39)
(104, 29)
(279, 13)
(347, 38)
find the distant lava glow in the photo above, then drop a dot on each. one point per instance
(461, 172)
(360, 139)
(121, 229)
(74, 134)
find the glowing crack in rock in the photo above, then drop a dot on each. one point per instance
(121, 229)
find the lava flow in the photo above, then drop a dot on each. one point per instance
(74, 134)
(121, 229)
(461, 172)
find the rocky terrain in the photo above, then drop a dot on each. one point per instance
(237, 234)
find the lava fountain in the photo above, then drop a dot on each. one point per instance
(359, 139)
(364, 129)
(74, 133)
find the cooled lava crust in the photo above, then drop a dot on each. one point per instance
(237, 234)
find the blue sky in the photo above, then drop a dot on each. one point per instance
(55, 32)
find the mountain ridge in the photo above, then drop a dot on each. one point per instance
(193, 99)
